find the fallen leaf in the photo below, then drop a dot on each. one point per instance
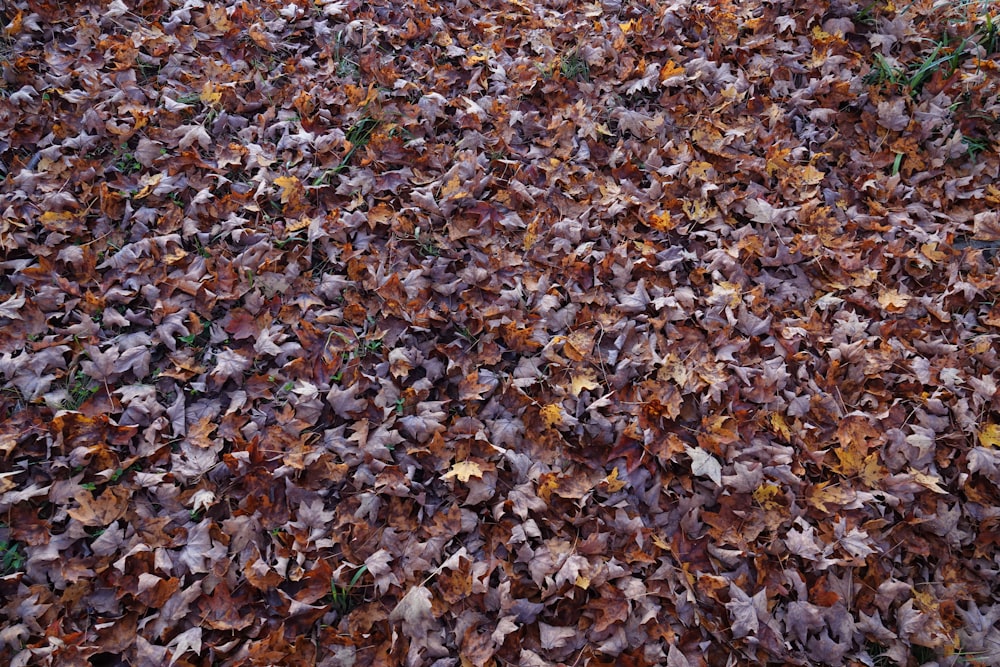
(704, 464)
(463, 470)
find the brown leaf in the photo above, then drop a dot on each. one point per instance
(103, 509)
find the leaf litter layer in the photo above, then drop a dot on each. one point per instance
(499, 333)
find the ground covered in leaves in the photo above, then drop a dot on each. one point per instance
(499, 333)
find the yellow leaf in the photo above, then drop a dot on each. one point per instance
(820, 34)
(863, 278)
(583, 381)
(463, 470)
(579, 344)
(56, 221)
(765, 495)
(780, 426)
(552, 414)
(698, 210)
(872, 472)
(175, 256)
(822, 494)
(851, 461)
(931, 252)
(288, 185)
(777, 161)
(698, 169)
(530, 234)
(726, 293)
(210, 94)
(629, 26)
(454, 189)
(614, 484)
(990, 436)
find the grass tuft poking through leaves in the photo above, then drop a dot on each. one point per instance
(573, 66)
(342, 598)
(79, 388)
(976, 18)
(358, 136)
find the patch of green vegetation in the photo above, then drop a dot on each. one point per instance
(359, 133)
(897, 163)
(876, 652)
(346, 68)
(120, 472)
(370, 346)
(146, 68)
(974, 146)
(126, 162)
(12, 558)
(946, 56)
(281, 243)
(572, 66)
(79, 388)
(198, 336)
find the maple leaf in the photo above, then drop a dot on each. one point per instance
(553, 637)
(189, 640)
(801, 541)
(229, 364)
(415, 614)
(103, 509)
(743, 610)
(463, 471)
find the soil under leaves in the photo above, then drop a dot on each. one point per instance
(499, 333)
